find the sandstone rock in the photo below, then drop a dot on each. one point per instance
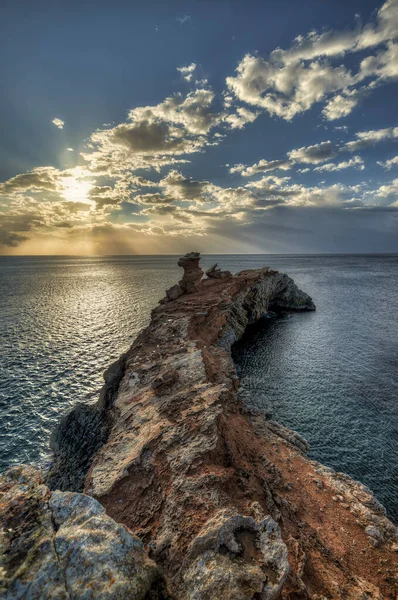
(192, 272)
(63, 545)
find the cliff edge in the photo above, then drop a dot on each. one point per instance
(225, 502)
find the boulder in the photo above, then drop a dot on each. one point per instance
(174, 292)
(62, 545)
(214, 273)
(235, 557)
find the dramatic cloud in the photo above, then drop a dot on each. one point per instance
(291, 81)
(58, 123)
(288, 90)
(155, 136)
(41, 178)
(132, 184)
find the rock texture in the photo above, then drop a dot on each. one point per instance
(225, 501)
(62, 545)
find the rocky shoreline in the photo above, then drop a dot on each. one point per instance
(188, 494)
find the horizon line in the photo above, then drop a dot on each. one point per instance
(202, 254)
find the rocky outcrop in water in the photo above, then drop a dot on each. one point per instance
(191, 278)
(225, 501)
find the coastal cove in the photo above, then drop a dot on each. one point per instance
(331, 375)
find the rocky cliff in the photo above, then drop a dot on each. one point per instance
(225, 503)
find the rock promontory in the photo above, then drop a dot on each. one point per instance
(224, 502)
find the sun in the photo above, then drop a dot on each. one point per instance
(76, 186)
(77, 190)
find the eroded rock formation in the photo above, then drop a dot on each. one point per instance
(191, 278)
(225, 501)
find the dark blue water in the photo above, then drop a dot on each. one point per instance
(331, 375)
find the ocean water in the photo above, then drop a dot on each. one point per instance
(330, 375)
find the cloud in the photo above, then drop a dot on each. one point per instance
(313, 154)
(184, 19)
(155, 136)
(289, 82)
(175, 187)
(241, 117)
(340, 106)
(58, 123)
(10, 239)
(142, 181)
(286, 194)
(50, 184)
(75, 204)
(263, 166)
(178, 187)
(41, 178)
(355, 162)
(371, 137)
(159, 209)
(74, 207)
(151, 199)
(172, 211)
(286, 91)
(193, 112)
(389, 164)
(105, 196)
(13, 227)
(145, 137)
(388, 190)
(187, 72)
(319, 153)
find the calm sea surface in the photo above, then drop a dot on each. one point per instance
(331, 375)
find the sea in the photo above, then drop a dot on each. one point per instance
(331, 375)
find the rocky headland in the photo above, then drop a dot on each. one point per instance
(171, 488)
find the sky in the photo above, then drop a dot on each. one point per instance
(228, 126)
